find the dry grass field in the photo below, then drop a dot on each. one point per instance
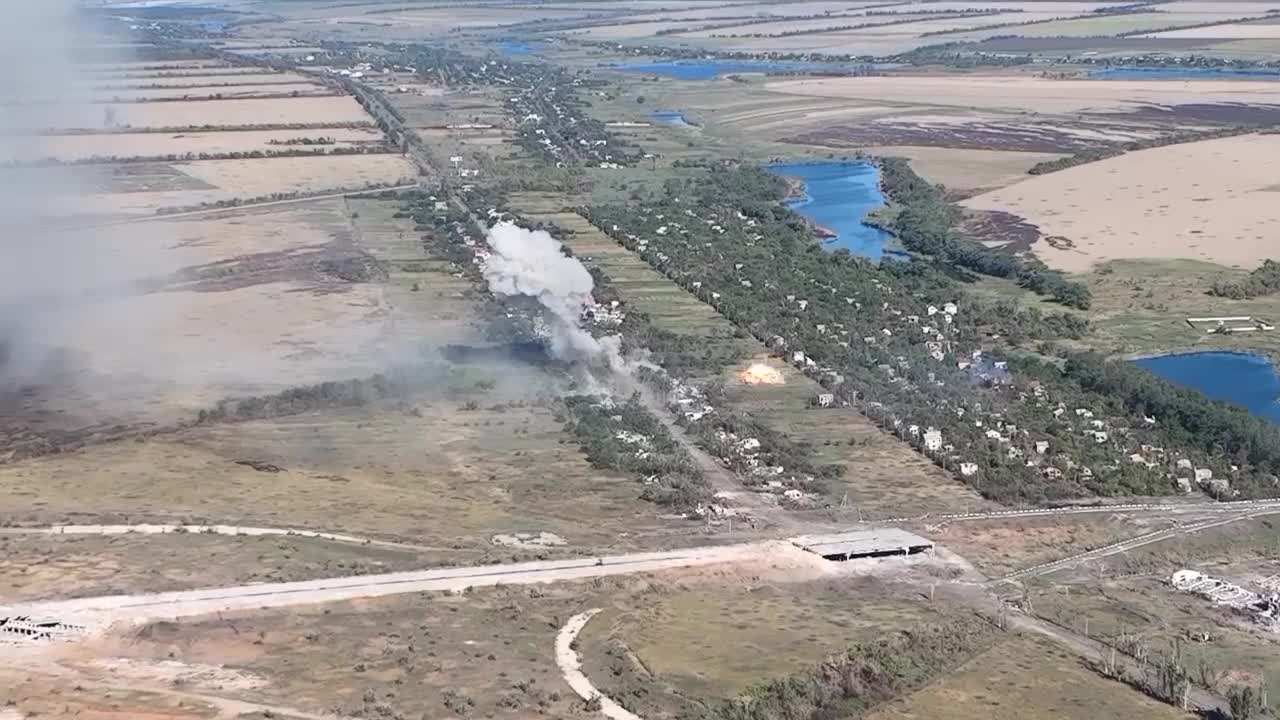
(1228, 31)
(223, 113)
(129, 145)
(36, 567)
(1209, 200)
(485, 653)
(1022, 93)
(144, 188)
(204, 90)
(713, 642)
(1026, 678)
(33, 693)
(967, 170)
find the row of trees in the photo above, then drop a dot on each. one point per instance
(602, 429)
(1263, 281)
(926, 223)
(869, 332)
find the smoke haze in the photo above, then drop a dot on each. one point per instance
(532, 263)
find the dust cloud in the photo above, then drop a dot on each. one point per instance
(532, 263)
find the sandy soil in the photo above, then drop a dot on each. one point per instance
(127, 145)
(1229, 31)
(252, 111)
(1036, 95)
(966, 170)
(217, 180)
(205, 90)
(1212, 200)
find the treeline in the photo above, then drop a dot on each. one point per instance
(1263, 281)
(170, 129)
(278, 196)
(926, 224)
(377, 149)
(356, 392)
(869, 674)
(1095, 154)
(628, 438)
(875, 336)
(1188, 418)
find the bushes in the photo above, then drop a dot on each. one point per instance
(866, 675)
(925, 224)
(1263, 281)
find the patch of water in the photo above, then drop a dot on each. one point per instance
(1246, 379)
(673, 117)
(837, 196)
(519, 48)
(710, 69)
(1128, 73)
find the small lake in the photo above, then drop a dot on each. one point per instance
(1126, 73)
(673, 117)
(838, 196)
(520, 48)
(709, 69)
(1245, 379)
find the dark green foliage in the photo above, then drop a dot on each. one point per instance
(926, 224)
(865, 676)
(671, 476)
(1263, 281)
(343, 393)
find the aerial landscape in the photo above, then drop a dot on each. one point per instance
(631, 359)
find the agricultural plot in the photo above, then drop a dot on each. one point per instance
(36, 567)
(1026, 678)
(335, 110)
(185, 77)
(191, 184)
(713, 643)
(1262, 30)
(490, 652)
(218, 92)
(475, 449)
(1091, 27)
(1208, 200)
(69, 148)
(1022, 93)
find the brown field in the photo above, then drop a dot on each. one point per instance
(36, 567)
(229, 92)
(1042, 95)
(32, 692)
(207, 181)
(181, 78)
(426, 467)
(1228, 31)
(214, 113)
(484, 653)
(1209, 200)
(712, 643)
(1092, 26)
(1026, 678)
(965, 170)
(128, 145)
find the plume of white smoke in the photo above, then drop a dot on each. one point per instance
(531, 263)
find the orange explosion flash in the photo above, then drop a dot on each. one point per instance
(761, 374)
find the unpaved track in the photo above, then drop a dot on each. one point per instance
(571, 668)
(101, 612)
(232, 530)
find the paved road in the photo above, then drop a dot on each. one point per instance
(98, 613)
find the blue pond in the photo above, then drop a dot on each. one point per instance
(674, 117)
(1242, 378)
(838, 196)
(519, 48)
(708, 69)
(1121, 73)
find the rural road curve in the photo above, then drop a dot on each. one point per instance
(571, 668)
(98, 613)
